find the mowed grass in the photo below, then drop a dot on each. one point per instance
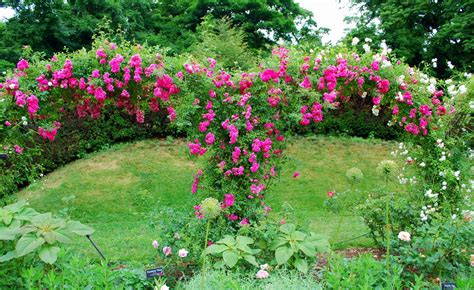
(116, 190)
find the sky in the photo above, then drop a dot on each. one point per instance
(327, 13)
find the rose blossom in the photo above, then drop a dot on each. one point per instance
(262, 274)
(182, 253)
(167, 251)
(404, 236)
(155, 244)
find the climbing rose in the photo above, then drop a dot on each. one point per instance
(404, 236)
(22, 65)
(167, 251)
(262, 274)
(229, 200)
(182, 253)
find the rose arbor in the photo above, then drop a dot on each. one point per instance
(239, 120)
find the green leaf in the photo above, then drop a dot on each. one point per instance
(288, 228)
(7, 217)
(42, 219)
(279, 241)
(299, 236)
(8, 256)
(49, 237)
(64, 236)
(216, 248)
(79, 229)
(9, 233)
(301, 265)
(251, 260)
(227, 240)
(245, 248)
(282, 254)
(27, 244)
(26, 214)
(49, 254)
(15, 207)
(322, 246)
(230, 258)
(307, 248)
(242, 240)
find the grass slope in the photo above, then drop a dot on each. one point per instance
(116, 190)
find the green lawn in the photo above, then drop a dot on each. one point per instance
(116, 190)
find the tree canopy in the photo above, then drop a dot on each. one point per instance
(51, 25)
(439, 30)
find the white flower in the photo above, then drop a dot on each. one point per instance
(366, 47)
(264, 267)
(364, 94)
(404, 236)
(454, 216)
(25, 123)
(450, 65)
(442, 158)
(422, 164)
(355, 41)
(50, 84)
(164, 287)
(431, 88)
(368, 39)
(12, 86)
(262, 274)
(375, 111)
(457, 174)
(182, 253)
(462, 89)
(23, 118)
(448, 81)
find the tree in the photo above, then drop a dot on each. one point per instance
(51, 25)
(424, 30)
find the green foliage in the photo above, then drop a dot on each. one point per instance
(219, 40)
(72, 271)
(27, 231)
(278, 280)
(420, 31)
(231, 250)
(295, 248)
(365, 272)
(52, 25)
(441, 248)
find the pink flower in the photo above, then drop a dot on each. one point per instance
(395, 110)
(167, 251)
(8, 124)
(210, 138)
(262, 274)
(404, 236)
(296, 174)
(18, 149)
(155, 244)
(22, 65)
(306, 83)
(182, 253)
(244, 222)
(375, 65)
(331, 193)
(228, 200)
(282, 221)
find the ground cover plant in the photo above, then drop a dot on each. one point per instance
(239, 124)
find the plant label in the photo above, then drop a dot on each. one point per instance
(448, 285)
(150, 273)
